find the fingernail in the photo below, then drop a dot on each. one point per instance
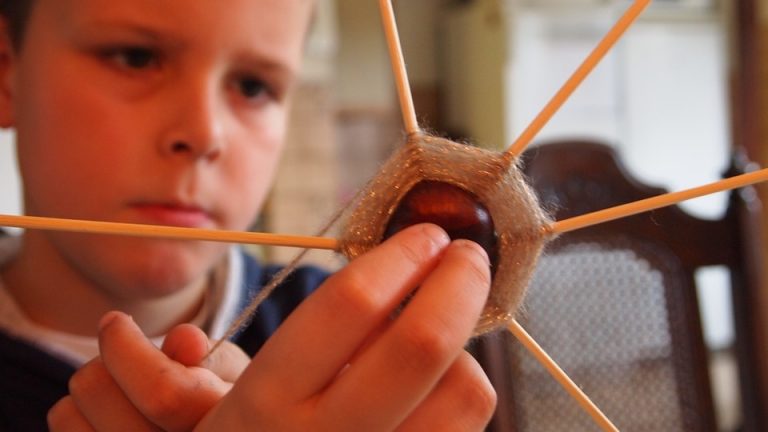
(108, 319)
(438, 236)
(469, 244)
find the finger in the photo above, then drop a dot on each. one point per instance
(189, 345)
(397, 372)
(168, 393)
(463, 389)
(64, 416)
(228, 362)
(103, 403)
(332, 323)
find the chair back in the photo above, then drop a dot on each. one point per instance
(614, 304)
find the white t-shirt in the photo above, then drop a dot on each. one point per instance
(218, 311)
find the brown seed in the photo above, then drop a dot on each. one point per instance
(454, 209)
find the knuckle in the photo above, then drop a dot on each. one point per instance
(479, 275)
(263, 404)
(164, 402)
(478, 261)
(416, 250)
(86, 379)
(479, 400)
(413, 252)
(354, 293)
(477, 268)
(77, 384)
(228, 362)
(59, 412)
(426, 346)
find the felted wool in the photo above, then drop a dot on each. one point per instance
(496, 181)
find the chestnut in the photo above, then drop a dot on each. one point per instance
(454, 209)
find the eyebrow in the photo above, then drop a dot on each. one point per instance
(258, 59)
(266, 63)
(134, 27)
(142, 32)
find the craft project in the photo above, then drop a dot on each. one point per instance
(472, 193)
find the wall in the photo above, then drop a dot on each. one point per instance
(10, 194)
(474, 51)
(660, 96)
(306, 186)
(416, 23)
(364, 77)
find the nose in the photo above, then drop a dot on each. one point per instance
(196, 129)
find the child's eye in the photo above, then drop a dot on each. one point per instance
(252, 88)
(133, 57)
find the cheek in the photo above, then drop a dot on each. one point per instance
(54, 170)
(248, 172)
(60, 160)
(61, 122)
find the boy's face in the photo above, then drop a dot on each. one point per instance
(151, 111)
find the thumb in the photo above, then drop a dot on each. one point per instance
(190, 346)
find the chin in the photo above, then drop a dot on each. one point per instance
(162, 268)
(174, 270)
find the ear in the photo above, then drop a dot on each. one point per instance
(7, 75)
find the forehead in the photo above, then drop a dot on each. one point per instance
(231, 12)
(272, 25)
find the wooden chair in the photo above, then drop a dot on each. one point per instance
(616, 306)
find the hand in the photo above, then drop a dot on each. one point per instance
(133, 386)
(340, 362)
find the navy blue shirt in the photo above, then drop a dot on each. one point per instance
(32, 381)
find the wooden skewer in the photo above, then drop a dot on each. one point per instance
(653, 203)
(398, 68)
(169, 232)
(578, 76)
(308, 242)
(561, 377)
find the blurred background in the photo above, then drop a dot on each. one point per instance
(681, 91)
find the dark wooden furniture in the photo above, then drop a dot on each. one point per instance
(616, 305)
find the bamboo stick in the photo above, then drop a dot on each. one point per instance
(578, 76)
(309, 242)
(653, 203)
(168, 232)
(398, 68)
(561, 377)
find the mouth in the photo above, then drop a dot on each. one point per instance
(173, 214)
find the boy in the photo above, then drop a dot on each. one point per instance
(173, 112)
